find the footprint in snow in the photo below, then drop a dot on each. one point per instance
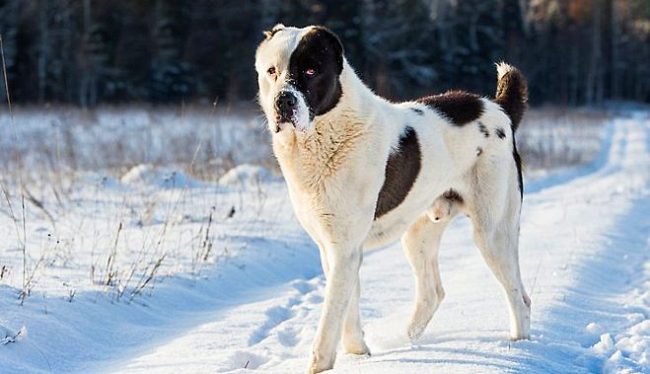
(307, 293)
(275, 316)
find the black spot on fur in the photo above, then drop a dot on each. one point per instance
(418, 111)
(459, 107)
(500, 133)
(517, 159)
(483, 130)
(402, 169)
(322, 51)
(453, 195)
(479, 151)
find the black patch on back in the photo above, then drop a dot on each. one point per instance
(483, 130)
(500, 133)
(402, 169)
(322, 51)
(418, 111)
(459, 107)
(453, 195)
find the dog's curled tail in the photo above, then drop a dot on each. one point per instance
(512, 92)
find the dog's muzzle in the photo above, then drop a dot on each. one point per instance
(285, 107)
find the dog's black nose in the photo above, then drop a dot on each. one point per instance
(285, 103)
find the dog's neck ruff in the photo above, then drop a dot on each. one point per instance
(309, 158)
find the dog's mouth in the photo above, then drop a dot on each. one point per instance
(284, 120)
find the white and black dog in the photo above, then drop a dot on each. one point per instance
(362, 171)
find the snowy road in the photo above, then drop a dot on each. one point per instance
(585, 256)
(585, 260)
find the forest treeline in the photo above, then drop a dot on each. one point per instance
(88, 52)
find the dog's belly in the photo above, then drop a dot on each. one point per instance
(430, 185)
(385, 231)
(390, 227)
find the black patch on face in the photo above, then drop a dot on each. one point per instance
(321, 51)
(459, 107)
(418, 111)
(453, 195)
(483, 130)
(500, 133)
(402, 170)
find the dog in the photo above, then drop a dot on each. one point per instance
(362, 171)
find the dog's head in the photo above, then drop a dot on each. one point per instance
(298, 75)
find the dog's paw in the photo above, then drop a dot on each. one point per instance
(415, 330)
(422, 315)
(356, 348)
(317, 365)
(519, 336)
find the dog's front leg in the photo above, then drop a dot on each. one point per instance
(352, 332)
(342, 278)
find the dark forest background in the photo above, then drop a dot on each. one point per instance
(89, 52)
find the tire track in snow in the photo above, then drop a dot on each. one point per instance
(602, 303)
(605, 200)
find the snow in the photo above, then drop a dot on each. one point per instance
(9, 336)
(64, 138)
(147, 174)
(253, 305)
(246, 175)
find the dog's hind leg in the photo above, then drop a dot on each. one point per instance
(420, 243)
(324, 262)
(496, 232)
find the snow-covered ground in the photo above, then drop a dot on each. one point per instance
(158, 272)
(62, 140)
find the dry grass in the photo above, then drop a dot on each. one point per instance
(554, 137)
(64, 142)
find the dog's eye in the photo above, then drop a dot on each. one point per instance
(310, 72)
(271, 70)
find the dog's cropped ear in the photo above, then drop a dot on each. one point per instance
(332, 40)
(268, 34)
